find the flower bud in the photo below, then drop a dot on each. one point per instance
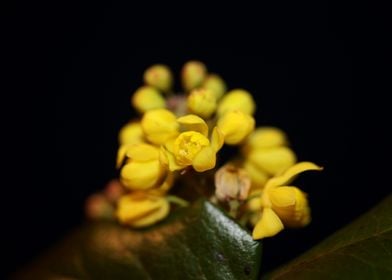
(272, 160)
(159, 126)
(159, 76)
(216, 84)
(236, 126)
(237, 99)
(147, 98)
(231, 183)
(141, 210)
(193, 74)
(202, 102)
(131, 133)
(265, 137)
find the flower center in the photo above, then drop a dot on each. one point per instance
(188, 145)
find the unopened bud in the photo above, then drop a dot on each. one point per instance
(193, 74)
(231, 183)
(159, 76)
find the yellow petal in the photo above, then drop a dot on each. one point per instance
(217, 139)
(273, 160)
(290, 174)
(159, 76)
(141, 175)
(265, 137)
(168, 160)
(269, 225)
(202, 102)
(236, 126)
(130, 133)
(194, 123)
(282, 196)
(121, 153)
(159, 126)
(147, 98)
(257, 175)
(204, 160)
(142, 152)
(154, 217)
(237, 99)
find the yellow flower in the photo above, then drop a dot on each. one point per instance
(147, 98)
(237, 99)
(283, 205)
(159, 126)
(236, 126)
(192, 147)
(130, 134)
(141, 209)
(193, 74)
(266, 155)
(159, 76)
(143, 169)
(216, 84)
(202, 102)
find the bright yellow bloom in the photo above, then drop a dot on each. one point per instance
(193, 74)
(216, 84)
(202, 102)
(143, 169)
(237, 99)
(147, 98)
(192, 147)
(236, 126)
(159, 126)
(159, 76)
(141, 209)
(283, 205)
(130, 134)
(266, 155)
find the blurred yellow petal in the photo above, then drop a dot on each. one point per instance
(147, 98)
(290, 174)
(254, 203)
(141, 175)
(204, 160)
(282, 196)
(272, 160)
(168, 159)
(159, 76)
(142, 152)
(237, 99)
(269, 225)
(265, 137)
(235, 126)
(193, 74)
(194, 123)
(130, 133)
(217, 139)
(141, 210)
(202, 102)
(216, 84)
(257, 175)
(159, 126)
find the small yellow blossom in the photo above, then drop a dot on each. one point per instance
(130, 134)
(265, 137)
(192, 148)
(143, 169)
(147, 98)
(141, 209)
(159, 126)
(202, 102)
(283, 205)
(216, 84)
(159, 76)
(193, 74)
(231, 183)
(236, 126)
(237, 99)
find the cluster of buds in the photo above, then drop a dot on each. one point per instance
(180, 133)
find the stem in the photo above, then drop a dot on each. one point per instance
(177, 200)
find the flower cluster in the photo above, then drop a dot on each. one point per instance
(178, 133)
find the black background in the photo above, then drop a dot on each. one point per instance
(70, 71)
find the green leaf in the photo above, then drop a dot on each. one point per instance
(198, 242)
(362, 250)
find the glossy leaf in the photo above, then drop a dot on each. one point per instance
(198, 242)
(362, 250)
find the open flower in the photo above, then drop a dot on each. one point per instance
(141, 209)
(266, 155)
(192, 147)
(143, 169)
(282, 205)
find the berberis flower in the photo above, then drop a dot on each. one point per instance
(184, 132)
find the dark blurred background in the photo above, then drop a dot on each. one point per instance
(70, 72)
